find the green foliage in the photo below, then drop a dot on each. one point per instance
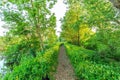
(31, 68)
(17, 48)
(30, 19)
(96, 14)
(0, 76)
(2, 44)
(91, 71)
(31, 50)
(99, 11)
(106, 43)
(87, 68)
(28, 28)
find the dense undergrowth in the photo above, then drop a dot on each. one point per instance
(36, 68)
(88, 65)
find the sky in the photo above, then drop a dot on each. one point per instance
(2, 30)
(59, 9)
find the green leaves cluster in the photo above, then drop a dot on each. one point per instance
(96, 14)
(35, 68)
(92, 25)
(31, 33)
(86, 66)
(30, 18)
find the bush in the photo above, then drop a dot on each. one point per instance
(103, 50)
(14, 52)
(92, 71)
(86, 68)
(35, 68)
(117, 54)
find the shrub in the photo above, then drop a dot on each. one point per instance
(117, 54)
(86, 67)
(35, 68)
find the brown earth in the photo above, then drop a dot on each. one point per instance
(64, 70)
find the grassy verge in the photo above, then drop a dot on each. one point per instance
(87, 68)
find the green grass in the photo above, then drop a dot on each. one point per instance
(87, 67)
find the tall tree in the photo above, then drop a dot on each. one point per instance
(29, 17)
(75, 18)
(29, 22)
(96, 14)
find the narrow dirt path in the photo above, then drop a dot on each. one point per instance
(64, 69)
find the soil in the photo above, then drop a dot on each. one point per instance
(64, 70)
